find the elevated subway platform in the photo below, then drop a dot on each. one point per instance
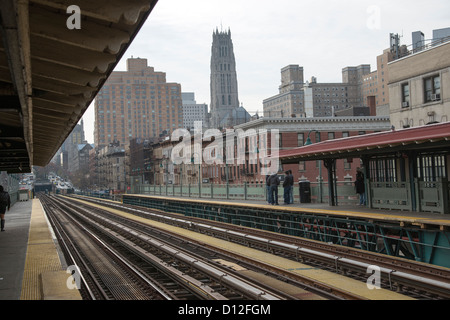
(309, 273)
(419, 236)
(30, 264)
(422, 219)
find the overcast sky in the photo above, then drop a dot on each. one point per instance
(323, 36)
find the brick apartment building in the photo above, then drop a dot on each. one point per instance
(137, 103)
(247, 144)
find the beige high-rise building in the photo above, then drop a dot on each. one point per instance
(290, 100)
(375, 85)
(419, 87)
(137, 103)
(299, 98)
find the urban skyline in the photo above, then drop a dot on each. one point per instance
(335, 35)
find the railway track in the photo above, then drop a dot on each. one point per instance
(185, 275)
(103, 273)
(415, 279)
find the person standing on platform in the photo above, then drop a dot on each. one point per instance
(360, 187)
(274, 182)
(292, 187)
(287, 185)
(5, 202)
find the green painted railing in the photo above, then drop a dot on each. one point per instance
(428, 196)
(345, 190)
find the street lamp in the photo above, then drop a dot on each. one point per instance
(199, 181)
(308, 139)
(224, 157)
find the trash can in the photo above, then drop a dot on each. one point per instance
(23, 195)
(305, 191)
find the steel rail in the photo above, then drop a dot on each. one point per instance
(221, 275)
(392, 268)
(321, 289)
(111, 252)
(74, 255)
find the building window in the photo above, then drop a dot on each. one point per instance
(317, 137)
(405, 95)
(383, 170)
(347, 164)
(330, 135)
(431, 167)
(432, 86)
(300, 139)
(301, 166)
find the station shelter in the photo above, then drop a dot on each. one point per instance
(404, 169)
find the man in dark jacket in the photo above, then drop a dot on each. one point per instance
(360, 187)
(287, 185)
(273, 182)
(5, 202)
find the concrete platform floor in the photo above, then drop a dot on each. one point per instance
(13, 249)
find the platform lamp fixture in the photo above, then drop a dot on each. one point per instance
(308, 139)
(224, 157)
(199, 181)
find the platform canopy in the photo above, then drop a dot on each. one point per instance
(433, 137)
(51, 70)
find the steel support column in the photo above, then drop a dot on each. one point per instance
(329, 164)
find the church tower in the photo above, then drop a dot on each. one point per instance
(224, 86)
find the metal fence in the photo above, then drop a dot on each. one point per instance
(318, 192)
(429, 196)
(10, 183)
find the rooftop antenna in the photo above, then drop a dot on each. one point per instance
(394, 44)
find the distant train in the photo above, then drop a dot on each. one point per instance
(63, 188)
(58, 187)
(43, 186)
